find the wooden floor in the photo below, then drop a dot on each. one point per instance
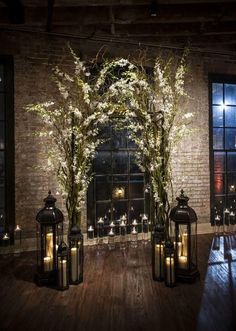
(118, 294)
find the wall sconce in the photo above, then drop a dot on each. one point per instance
(118, 193)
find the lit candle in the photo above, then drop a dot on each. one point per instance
(47, 260)
(123, 218)
(62, 273)
(226, 216)
(232, 217)
(49, 244)
(100, 220)
(90, 232)
(74, 264)
(185, 243)
(159, 260)
(111, 239)
(112, 225)
(134, 223)
(179, 248)
(170, 270)
(183, 262)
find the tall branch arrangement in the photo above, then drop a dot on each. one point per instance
(151, 105)
(72, 120)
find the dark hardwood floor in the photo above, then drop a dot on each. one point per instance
(118, 294)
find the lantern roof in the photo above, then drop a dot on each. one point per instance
(182, 213)
(49, 214)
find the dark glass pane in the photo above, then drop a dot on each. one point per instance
(219, 161)
(230, 94)
(219, 183)
(2, 107)
(230, 138)
(231, 201)
(120, 187)
(136, 187)
(102, 163)
(120, 162)
(218, 138)
(102, 209)
(231, 161)
(1, 78)
(2, 194)
(121, 208)
(105, 134)
(137, 208)
(231, 183)
(2, 170)
(119, 139)
(2, 136)
(134, 168)
(217, 93)
(230, 116)
(219, 203)
(103, 188)
(2, 221)
(218, 115)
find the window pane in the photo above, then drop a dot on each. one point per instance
(105, 136)
(120, 162)
(2, 221)
(102, 209)
(103, 163)
(217, 93)
(1, 78)
(230, 94)
(230, 138)
(2, 194)
(137, 208)
(134, 168)
(2, 134)
(231, 161)
(219, 183)
(2, 107)
(136, 187)
(230, 116)
(231, 183)
(2, 170)
(219, 162)
(103, 188)
(218, 138)
(121, 208)
(219, 202)
(218, 116)
(119, 139)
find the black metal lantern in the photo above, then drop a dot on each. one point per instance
(76, 255)
(158, 238)
(49, 232)
(169, 264)
(62, 264)
(185, 220)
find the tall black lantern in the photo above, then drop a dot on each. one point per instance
(185, 220)
(158, 239)
(62, 264)
(76, 255)
(49, 234)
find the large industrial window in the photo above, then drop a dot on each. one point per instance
(117, 187)
(7, 208)
(223, 151)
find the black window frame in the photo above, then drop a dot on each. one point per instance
(221, 79)
(9, 149)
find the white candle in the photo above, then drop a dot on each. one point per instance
(49, 244)
(170, 270)
(183, 262)
(62, 273)
(112, 225)
(74, 264)
(159, 260)
(134, 223)
(185, 243)
(179, 248)
(47, 260)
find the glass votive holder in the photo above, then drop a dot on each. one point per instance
(90, 235)
(111, 239)
(123, 235)
(6, 240)
(134, 238)
(100, 233)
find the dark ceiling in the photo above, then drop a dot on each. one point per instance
(203, 24)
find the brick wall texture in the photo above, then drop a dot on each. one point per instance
(35, 55)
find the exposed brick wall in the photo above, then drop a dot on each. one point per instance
(34, 56)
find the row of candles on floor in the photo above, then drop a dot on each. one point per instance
(5, 241)
(224, 222)
(119, 232)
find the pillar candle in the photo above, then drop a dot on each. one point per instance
(62, 273)
(170, 270)
(47, 260)
(49, 244)
(183, 262)
(179, 248)
(185, 243)
(74, 264)
(159, 261)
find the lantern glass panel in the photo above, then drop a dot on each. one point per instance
(193, 249)
(75, 270)
(62, 272)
